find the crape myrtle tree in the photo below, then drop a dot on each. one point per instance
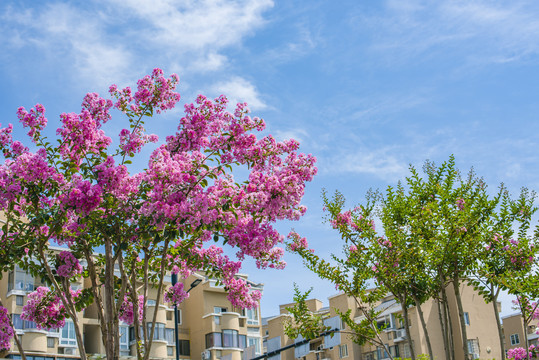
(124, 231)
(509, 254)
(434, 228)
(351, 273)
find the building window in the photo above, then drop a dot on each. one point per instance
(150, 302)
(254, 341)
(169, 315)
(170, 351)
(230, 338)
(369, 356)
(466, 318)
(185, 348)
(394, 351)
(159, 332)
(124, 337)
(217, 320)
(242, 341)
(50, 342)
(67, 336)
(406, 353)
(473, 348)
(20, 280)
(169, 335)
(381, 352)
(515, 340)
(213, 340)
(17, 321)
(252, 316)
(19, 300)
(343, 351)
(384, 322)
(219, 310)
(27, 324)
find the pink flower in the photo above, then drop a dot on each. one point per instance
(68, 265)
(176, 294)
(45, 309)
(6, 331)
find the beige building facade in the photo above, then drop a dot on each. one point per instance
(513, 330)
(482, 333)
(209, 327)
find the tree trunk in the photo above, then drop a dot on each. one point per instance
(525, 328)
(424, 325)
(494, 298)
(443, 327)
(449, 325)
(464, 333)
(108, 300)
(407, 326)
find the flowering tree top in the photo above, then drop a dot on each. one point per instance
(79, 192)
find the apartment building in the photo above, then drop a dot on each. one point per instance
(482, 333)
(513, 330)
(209, 327)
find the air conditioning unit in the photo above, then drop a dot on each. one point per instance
(205, 355)
(475, 356)
(69, 351)
(320, 347)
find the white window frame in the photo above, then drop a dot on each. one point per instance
(343, 351)
(71, 339)
(515, 339)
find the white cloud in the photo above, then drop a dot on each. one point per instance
(380, 163)
(110, 39)
(197, 24)
(238, 89)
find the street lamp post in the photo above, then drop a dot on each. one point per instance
(174, 280)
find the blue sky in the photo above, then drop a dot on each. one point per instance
(367, 87)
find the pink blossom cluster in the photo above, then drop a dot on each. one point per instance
(81, 135)
(520, 353)
(241, 295)
(153, 91)
(176, 294)
(131, 142)
(82, 197)
(127, 310)
(45, 309)
(342, 219)
(97, 107)
(516, 252)
(6, 331)
(297, 242)
(460, 204)
(68, 265)
(34, 119)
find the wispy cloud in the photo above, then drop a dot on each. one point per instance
(381, 163)
(482, 31)
(107, 40)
